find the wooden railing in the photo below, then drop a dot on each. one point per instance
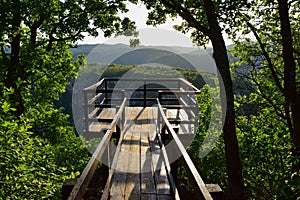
(86, 176)
(99, 96)
(104, 87)
(199, 186)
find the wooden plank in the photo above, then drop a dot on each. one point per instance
(174, 189)
(179, 107)
(159, 168)
(112, 169)
(147, 173)
(93, 113)
(132, 197)
(147, 196)
(135, 113)
(97, 127)
(119, 181)
(107, 113)
(132, 187)
(147, 179)
(116, 197)
(150, 124)
(173, 114)
(92, 100)
(164, 197)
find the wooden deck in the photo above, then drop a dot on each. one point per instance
(140, 119)
(144, 164)
(140, 171)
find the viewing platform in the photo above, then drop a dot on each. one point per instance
(144, 127)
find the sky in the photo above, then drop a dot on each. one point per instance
(149, 35)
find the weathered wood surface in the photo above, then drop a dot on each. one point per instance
(84, 180)
(189, 166)
(107, 113)
(140, 171)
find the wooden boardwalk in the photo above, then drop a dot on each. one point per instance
(140, 171)
(142, 164)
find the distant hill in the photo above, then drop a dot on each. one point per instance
(82, 49)
(178, 57)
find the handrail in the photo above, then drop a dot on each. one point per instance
(191, 167)
(143, 79)
(189, 84)
(94, 86)
(86, 176)
(105, 89)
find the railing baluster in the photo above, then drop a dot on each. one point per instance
(105, 87)
(122, 124)
(158, 121)
(145, 94)
(86, 112)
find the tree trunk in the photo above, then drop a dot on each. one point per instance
(233, 162)
(14, 71)
(292, 97)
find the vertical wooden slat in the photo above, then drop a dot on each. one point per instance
(105, 87)
(145, 94)
(86, 112)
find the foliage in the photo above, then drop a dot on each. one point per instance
(116, 70)
(265, 151)
(211, 166)
(39, 149)
(32, 167)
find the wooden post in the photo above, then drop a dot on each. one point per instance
(160, 96)
(215, 191)
(145, 94)
(174, 168)
(158, 122)
(106, 156)
(163, 130)
(118, 129)
(86, 111)
(123, 113)
(105, 87)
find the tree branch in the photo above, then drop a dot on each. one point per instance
(265, 53)
(185, 14)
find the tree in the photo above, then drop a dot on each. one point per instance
(38, 146)
(39, 35)
(203, 17)
(278, 54)
(271, 72)
(292, 96)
